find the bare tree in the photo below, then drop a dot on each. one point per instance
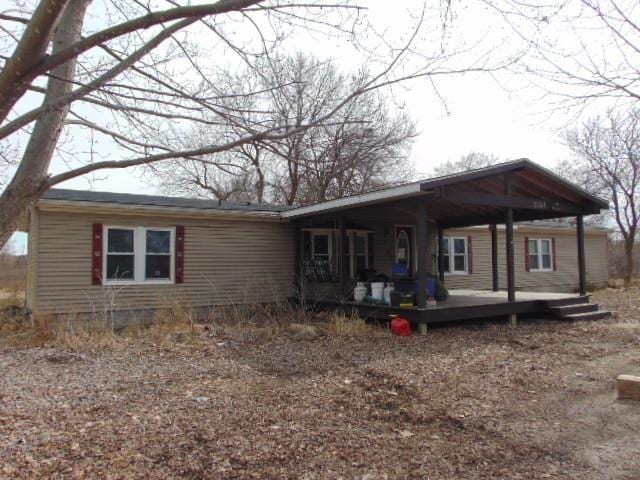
(607, 163)
(470, 161)
(361, 148)
(138, 76)
(124, 70)
(365, 147)
(579, 51)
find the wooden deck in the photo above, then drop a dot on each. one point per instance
(464, 305)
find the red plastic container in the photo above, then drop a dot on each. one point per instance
(401, 327)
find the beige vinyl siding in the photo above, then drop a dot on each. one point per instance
(563, 279)
(226, 262)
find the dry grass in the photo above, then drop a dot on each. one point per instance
(349, 325)
(173, 322)
(619, 282)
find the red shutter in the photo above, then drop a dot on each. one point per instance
(470, 253)
(553, 250)
(96, 259)
(180, 254)
(527, 260)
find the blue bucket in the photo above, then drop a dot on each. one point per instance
(431, 287)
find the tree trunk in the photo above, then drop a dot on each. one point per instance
(30, 180)
(260, 186)
(628, 254)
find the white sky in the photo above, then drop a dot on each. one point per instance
(480, 114)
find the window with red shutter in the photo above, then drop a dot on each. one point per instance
(180, 239)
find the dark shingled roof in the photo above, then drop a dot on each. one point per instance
(158, 201)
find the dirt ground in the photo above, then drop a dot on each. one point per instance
(478, 400)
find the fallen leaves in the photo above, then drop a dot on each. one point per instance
(496, 402)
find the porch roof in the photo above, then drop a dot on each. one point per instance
(476, 197)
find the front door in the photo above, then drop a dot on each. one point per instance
(404, 251)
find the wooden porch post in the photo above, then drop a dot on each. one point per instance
(582, 272)
(299, 265)
(440, 254)
(494, 256)
(342, 264)
(352, 251)
(421, 249)
(511, 270)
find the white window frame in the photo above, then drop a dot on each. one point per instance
(450, 242)
(351, 235)
(539, 254)
(139, 256)
(322, 232)
(414, 242)
(332, 234)
(105, 254)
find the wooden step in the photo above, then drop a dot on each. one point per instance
(598, 315)
(564, 310)
(568, 301)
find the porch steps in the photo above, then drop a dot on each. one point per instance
(565, 310)
(577, 308)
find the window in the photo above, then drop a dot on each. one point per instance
(404, 261)
(540, 255)
(357, 241)
(139, 254)
(455, 255)
(158, 255)
(120, 254)
(321, 246)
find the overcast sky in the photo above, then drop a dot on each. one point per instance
(499, 114)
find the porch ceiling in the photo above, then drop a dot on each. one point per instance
(472, 198)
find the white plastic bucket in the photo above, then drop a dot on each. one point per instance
(387, 293)
(359, 292)
(377, 290)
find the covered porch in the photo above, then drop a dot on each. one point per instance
(397, 235)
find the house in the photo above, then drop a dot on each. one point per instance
(91, 250)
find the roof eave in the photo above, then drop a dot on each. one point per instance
(74, 206)
(361, 200)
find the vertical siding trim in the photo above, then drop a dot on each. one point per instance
(527, 260)
(32, 261)
(470, 253)
(553, 250)
(180, 239)
(96, 259)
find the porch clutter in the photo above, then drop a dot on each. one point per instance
(401, 292)
(377, 290)
(360, 292)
